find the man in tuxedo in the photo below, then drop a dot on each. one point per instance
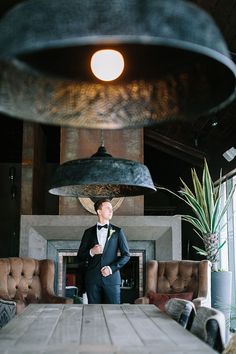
(98, 249)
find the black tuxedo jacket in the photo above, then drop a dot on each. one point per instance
(116, 241)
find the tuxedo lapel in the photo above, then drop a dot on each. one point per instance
(110, 232)
(94, 238)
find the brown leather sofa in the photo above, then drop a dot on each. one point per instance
(168, 279)
(28, 280)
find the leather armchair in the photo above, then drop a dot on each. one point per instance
(179, 277)
(28, 280)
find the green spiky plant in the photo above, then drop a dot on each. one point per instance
(204, 201)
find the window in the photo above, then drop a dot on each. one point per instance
(228, 252)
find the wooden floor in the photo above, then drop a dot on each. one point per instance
(100, 329)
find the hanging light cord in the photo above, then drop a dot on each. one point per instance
(102, 138)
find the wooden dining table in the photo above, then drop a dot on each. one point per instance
(97, 329)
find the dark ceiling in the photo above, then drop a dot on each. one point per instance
(190, 141)
(176, 144)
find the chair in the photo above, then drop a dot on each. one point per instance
(209, 325)
(182, 311)
(28, 280)
(189, 280)
(7, 311)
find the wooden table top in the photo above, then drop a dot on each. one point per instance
(99, 329)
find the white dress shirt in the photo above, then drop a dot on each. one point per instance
(102, 235)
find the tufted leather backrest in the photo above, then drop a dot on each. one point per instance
(178, 276)
(175, 277)
(26, 279)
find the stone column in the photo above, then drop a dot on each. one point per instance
(33, 167)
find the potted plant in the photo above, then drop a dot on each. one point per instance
(205, 202)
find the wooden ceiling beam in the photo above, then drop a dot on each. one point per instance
(174, 148)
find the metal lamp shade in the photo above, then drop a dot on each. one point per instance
(101, 176)
(177, 65)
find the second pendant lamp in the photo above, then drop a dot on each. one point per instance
(101, 176)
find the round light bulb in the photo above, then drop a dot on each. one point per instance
(107, 64)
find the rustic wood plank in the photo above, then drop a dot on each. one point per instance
(183, 339)
(86, 349)
(120, 329)
(94, 327)
(97, 329)
(11, 334)
(148, 331)
(41, 329)
(68, 328)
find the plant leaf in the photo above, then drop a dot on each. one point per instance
(223, 243)
(215, 216)
(208, 189)
(195, 222)
(200, 251)
(199, 235)
(228, 200)
(198, 210)
(199, 193)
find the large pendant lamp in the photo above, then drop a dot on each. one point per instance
(176, 62)
(101, 176)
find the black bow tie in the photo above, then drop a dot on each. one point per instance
(101, 226)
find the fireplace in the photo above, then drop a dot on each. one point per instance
(140, 251)
(55, 237)
(132, 275)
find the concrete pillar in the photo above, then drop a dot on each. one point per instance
(33, 168)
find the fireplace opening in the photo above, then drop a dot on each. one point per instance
(130, 280)
(132, 276)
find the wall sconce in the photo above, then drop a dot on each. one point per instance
(173, 51)
(12, 174)
(12, 178)
(13, 191)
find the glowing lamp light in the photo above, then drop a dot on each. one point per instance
(107, 64)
